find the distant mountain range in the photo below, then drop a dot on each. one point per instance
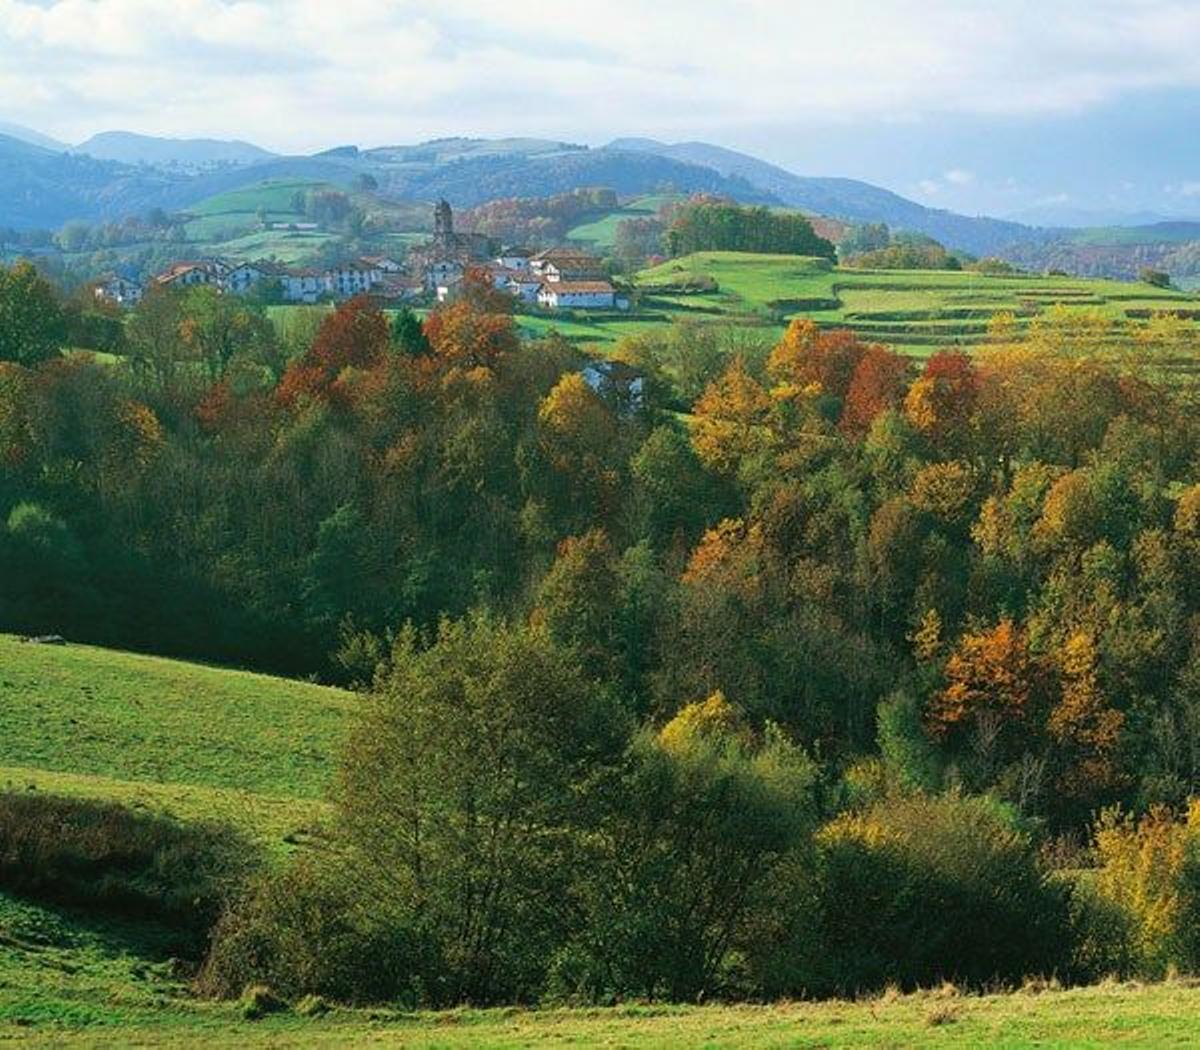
(36, 138)
(1060, 216)
(147, 172)
(44, 183)
(187, 154)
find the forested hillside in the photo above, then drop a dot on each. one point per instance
(796, 669)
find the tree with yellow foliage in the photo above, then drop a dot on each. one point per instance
(732, 421)
(1085, 727)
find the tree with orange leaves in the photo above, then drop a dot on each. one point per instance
(879, 382)
(806, 356)
(989, 674)
(355, 335)
(468, 334)
(942, 402)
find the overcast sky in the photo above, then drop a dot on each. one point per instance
(964, 104)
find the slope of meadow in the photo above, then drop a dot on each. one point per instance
(74, 714)
(601, 233)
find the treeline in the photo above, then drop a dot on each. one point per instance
(827, 687)
(711, 225)
(873, 246)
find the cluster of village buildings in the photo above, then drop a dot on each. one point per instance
(555, 279)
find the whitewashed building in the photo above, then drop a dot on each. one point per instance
(524, 287)
(443, 272)
(243, 277)
(189, 274)
(303, 286)
(384, 264)
(113, 288)
(350, 279)
(515, 259)
(586, 295)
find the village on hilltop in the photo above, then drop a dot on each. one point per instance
(553, 279)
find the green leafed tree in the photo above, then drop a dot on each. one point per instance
(31, 320)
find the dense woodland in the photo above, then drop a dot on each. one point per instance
(809, 670)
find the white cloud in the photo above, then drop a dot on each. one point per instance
(929, 187)
(305, 73)
(959, 177)
(1189, 189)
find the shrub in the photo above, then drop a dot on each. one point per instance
(303, 932)
(918, 890)
(680, 889)
(463, 791)
(102, 855)
(1148, 877)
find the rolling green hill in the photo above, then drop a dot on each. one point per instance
(237, 211)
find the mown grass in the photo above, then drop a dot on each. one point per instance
(127, 717)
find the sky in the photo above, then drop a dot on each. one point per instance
(992, 107)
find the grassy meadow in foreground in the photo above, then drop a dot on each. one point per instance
(68, 985)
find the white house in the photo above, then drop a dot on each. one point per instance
(447, 289)
(620, 384)
(502, 276)
(188, 274)
(566, 295)
(349, 279)
(514, 259)
(117, 289)
(566, 264)
(524, 287)
(303, 286)
(443, 272)
(243, 277)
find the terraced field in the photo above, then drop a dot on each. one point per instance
(915, 311)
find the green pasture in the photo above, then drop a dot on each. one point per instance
(601, 233)
(127, 717)
(917, 311)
